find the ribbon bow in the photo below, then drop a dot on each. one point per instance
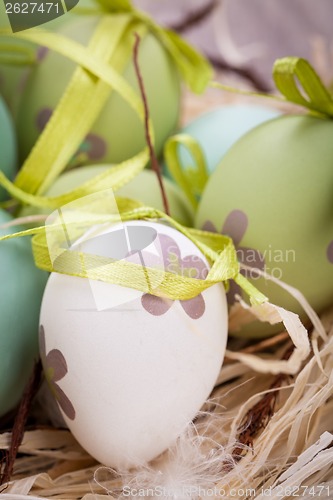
(288, 70)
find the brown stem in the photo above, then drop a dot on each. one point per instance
(194, 17)
(246, 73)
(153, 159)
(19, 423)
(197, 17)
(260, 414)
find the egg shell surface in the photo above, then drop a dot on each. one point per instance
(272, 193)
(13, 77)
(134, 369)
(118, 133)
(144, 187)
(21, 290)
(8, 147)
(216, 131)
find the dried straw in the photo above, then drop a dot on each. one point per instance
(265, 432)
(259, 434)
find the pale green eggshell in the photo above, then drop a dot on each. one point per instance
(117, 133)
(21, 290)
(272, 192)
(14, 77)
(8, 148)
(11, 76)
(217, 130)
(144, 187)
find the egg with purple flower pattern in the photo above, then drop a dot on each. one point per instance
(272, 193)
(117, 133)
(134, 368)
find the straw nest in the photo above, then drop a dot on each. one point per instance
(260, 435)
(266, 432)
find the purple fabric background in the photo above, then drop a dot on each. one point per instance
(260, 30)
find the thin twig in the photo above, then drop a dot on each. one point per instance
(260, 414)
(20, 421)
(247, 73)
(266, 343)
(153, 158)
(194, 17)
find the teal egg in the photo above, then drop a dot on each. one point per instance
(8, 148)
(118, 133)
(217, 130)
(272, 193)
(21, 290)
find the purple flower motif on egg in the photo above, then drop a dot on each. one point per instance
(191, 266)
(92, 147)
(55, 369)
(330, 252)
(235, 226)
(41, 53)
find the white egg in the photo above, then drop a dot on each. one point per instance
(131, 370)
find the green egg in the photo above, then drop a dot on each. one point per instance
(272, 193)
(117, 133)
(21, 290)
(13, 77)
(8, 148)
(144, 187)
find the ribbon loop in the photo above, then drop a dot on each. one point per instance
(192, 180)
(289, 72)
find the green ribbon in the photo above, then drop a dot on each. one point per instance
(52, 254)
(298, 82)
(195, 70)
(16, 54)
(193, 67)
(192, 180)
(290, 72)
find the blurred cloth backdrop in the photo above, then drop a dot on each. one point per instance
(248, 35)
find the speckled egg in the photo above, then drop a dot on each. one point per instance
(117, 134)
(21, 290)
(130, 370)
(8, 148)
(272, 192)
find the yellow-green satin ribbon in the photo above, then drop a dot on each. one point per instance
(218, 249)
(62, 135)
(84, 97)
(114, 177)
(298, 82)
(192, 180)
(194, 68)
(289, 70)
(47, 159)
(286, 72)
(16, 54)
